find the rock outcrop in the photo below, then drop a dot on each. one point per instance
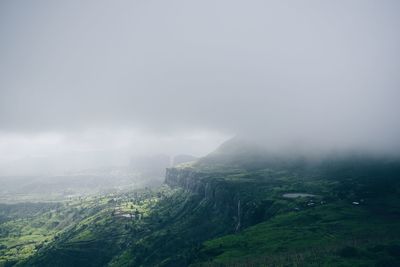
(226, 197)
(208, 187)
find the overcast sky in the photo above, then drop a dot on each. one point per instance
(145, 76)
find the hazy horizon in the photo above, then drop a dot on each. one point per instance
(93, 83)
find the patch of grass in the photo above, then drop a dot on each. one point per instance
(334, 234)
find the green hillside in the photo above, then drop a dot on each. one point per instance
(239, 206)
(337, 234)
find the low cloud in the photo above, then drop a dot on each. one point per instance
(322, 73)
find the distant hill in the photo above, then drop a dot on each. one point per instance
(151, 167)
(238, 153)
(179, 159)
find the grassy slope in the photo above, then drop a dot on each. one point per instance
(177, 227)
(336, 234)
(26, 227)
(103, 233)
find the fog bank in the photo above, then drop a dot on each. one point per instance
(89, 76)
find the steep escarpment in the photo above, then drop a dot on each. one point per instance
(209, 188)
(186, 179)
(243, 200)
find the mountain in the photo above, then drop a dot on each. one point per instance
(241, 205)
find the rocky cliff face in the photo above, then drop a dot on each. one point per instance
(226, 197)
(208, 186)
(186, 179)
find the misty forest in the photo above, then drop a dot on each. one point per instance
(200, 133)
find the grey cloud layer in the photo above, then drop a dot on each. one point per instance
(325, 71)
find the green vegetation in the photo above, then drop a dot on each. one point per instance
(228, 213)
(28, 229)
(337, 234)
